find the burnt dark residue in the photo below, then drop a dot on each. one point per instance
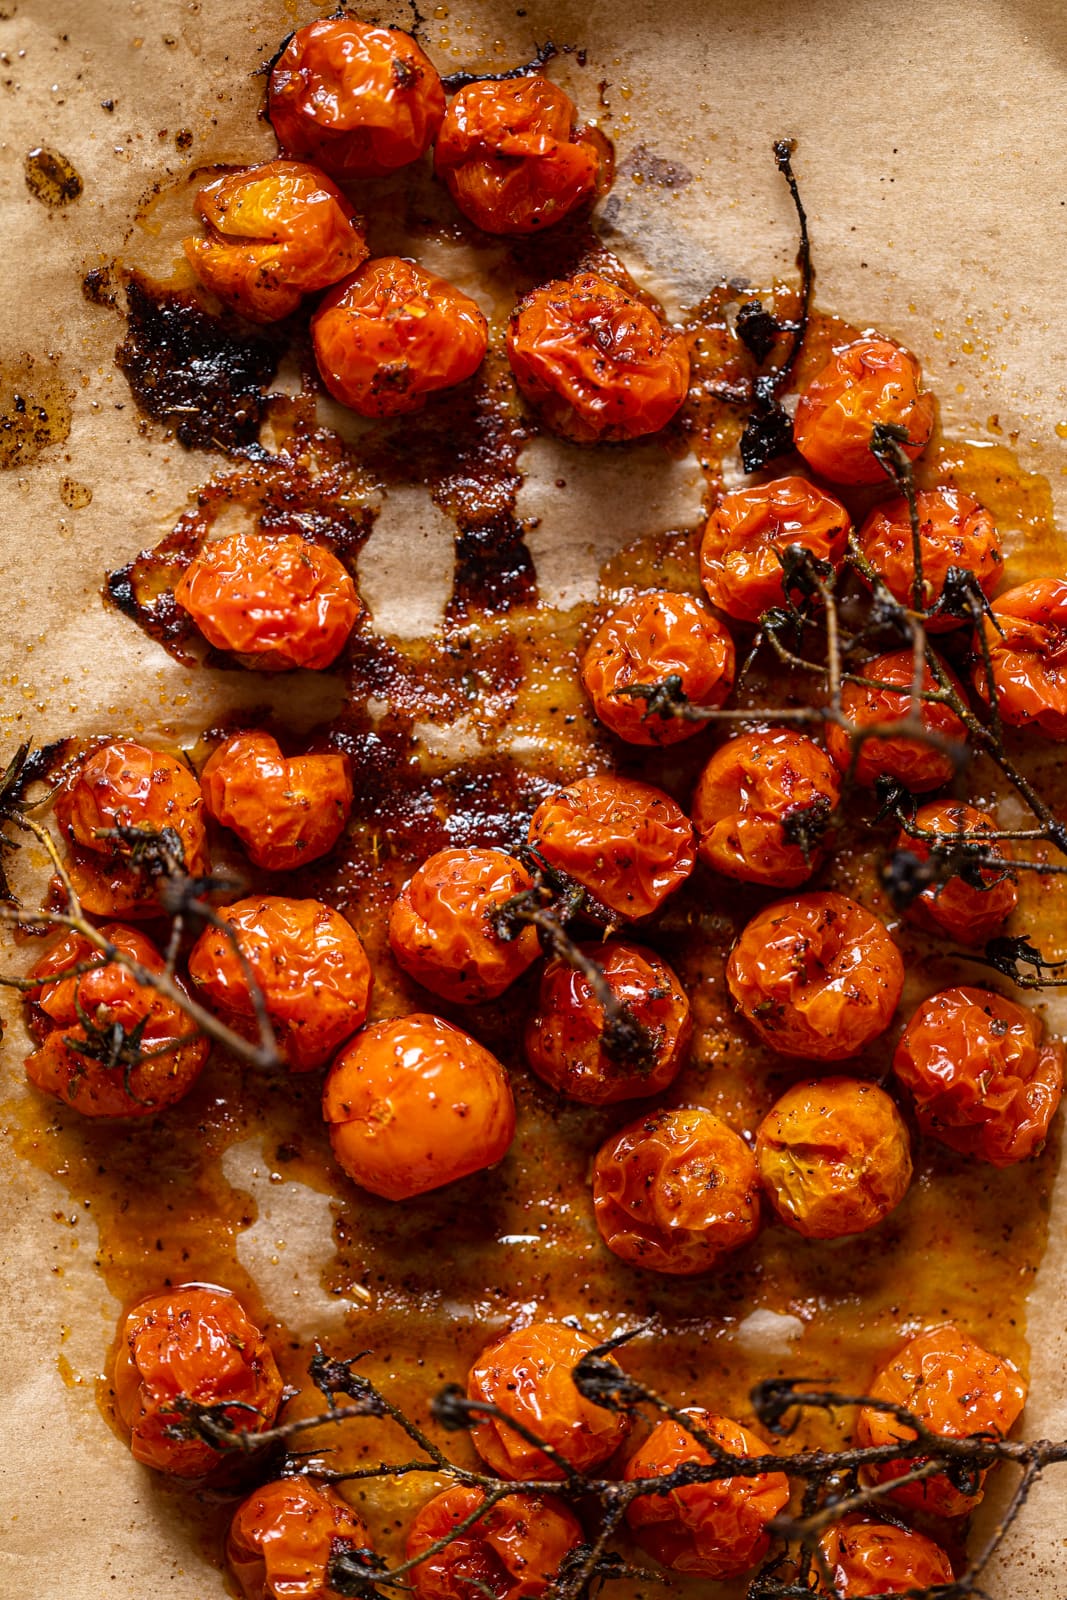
(35, 408)
(51, 178)
(543, 54)
(99, 288)
(645, 166)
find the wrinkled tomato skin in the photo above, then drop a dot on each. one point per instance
(198, 1342)
(817, 977)
(950, 1383)
(983, 1080)
(286, 812)
(918, 766)
(867, 382)
(629, 844)
(359, 101)
(646, 640)
(739, 553)
(512, 1553)
(878, 1558)
(713, 1530)
(527, 1373)
(676, 1191)
(281, 1540)
(956, 530)
(1027, 643)
(310, 967)
(594, 362)
(834, 1157)
(440, 927)
(276, 602)
(744, 800)
(416, 1103)
(392, 335)
(274, 234)
(954, 908)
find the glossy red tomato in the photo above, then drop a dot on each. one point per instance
(356, 99)
(1028, 646)
(286, 811)
(283, 1536)
(958, 908)
(955, 531)
(982, 1079)
(917, 765)
(277, 602)
(310, 967)
(512, 1553)
(867, 382)
(750, 529)
(595, 362)
(816, 977)
(198, 1343)
(879, 1558)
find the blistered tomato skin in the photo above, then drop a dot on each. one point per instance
(286, 811)
(983, 1079)
(565, 1045)
(920, 767)
(527, 1374)
(675, 1192)
(357, 100)
(749, 529)
(867, 382)
(880, 1558)
(283, 1536)
(594, 362)
(947, 1381)
(647, 639)
(197, 1342)
(755, 791)
(955, 908)
(834, 1157)
(441, 930)
(276, 602)
(416, 1103)
(713, 1530)
(310, 966)
(512, 1553)
(626, 842)
(1027, 643)
(817, 977)
(955, 531)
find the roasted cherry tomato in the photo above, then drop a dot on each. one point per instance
(277, 602)
(918, 766)
(194, 1342)
(283, 1536)
(1027, 642)
(648, 639)
(415, 1103)
(747, 533)
(310, 967)
(527, 1374)
(878, 1558)
(274, 234)
(357, 100)
(393, 335)
(84, 1063)
(286, 811)
(955, 531)
(817, 977)
(629, 844)
(676, 1191)
(982, 1079)
(441, 929)
(512, 1553)
(867, 382)
(948, 1382)
(761, 807)
(973, 903)
(595, 362)
(716, 1529)
(834, 1156)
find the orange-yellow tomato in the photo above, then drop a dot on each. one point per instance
(198, 1343)
(392, 335)
(867, 382)
(1027, 642)
(834, 1157)
(310, 967)
(816, 977)
(415, 1103)
(676, 1191)
(441, 930)
(716, 1529)
(956, 530)
(356, 99)
(955, 1388)
(983, 1080)
(917, 765)
(513, 1552)
(756, 797)
(971, 908)
(748, 531)
(277, 602)
(286, 811)
(879, 1558)
(595, 362)
(283, 1536)
(527, 1374)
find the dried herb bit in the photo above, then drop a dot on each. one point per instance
(665, 698)
(543, 54)
(806, 826)
(1013, 956)
(757, 329)
(905, 876)
(963, 596)
(768, 434)
(451, 1408)
(333, 1378)
(351, 1568)
(604, 1383)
